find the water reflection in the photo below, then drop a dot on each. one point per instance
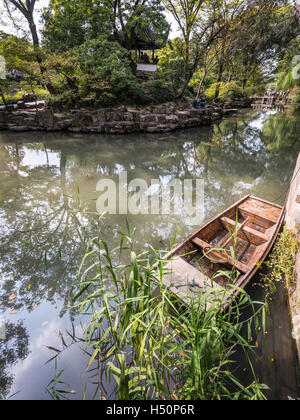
(43, 176)
(12, 349)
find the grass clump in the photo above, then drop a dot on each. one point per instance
(148, 345)
(282, 260)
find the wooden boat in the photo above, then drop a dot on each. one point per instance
(250, 227)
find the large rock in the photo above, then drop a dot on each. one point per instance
(161, 118)
(144, 118)
(45, 118)
(33, 105)
(3, 117)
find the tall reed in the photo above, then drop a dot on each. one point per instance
(150, 345)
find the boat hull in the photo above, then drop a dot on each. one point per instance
(242, 237)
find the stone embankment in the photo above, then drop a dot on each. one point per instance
(34, 116)
(293, 223)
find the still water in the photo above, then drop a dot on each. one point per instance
(45, 176)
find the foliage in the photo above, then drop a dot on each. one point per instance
(198, 77)
(171, 66)
(282, 260)
(20, 59)
(101, 75)
(223, 45)
(27, 11)
(286, 78)
(280, 133)
(150, 345)
(70, 23)
(228, 91)
(18, 54)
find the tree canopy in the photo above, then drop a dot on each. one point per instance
(84, 51)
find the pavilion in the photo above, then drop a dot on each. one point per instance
(141, 44)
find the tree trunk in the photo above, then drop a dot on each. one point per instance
(3, 99)
(246, 67)
(36, 45)
(219, 79)
(221, 68)
(200, 85)
(27, 9)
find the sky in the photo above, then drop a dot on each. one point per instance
(7, 26)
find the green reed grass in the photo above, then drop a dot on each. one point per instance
(150, 345)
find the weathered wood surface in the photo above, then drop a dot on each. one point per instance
(293, 222)
(252, 246)
(186, 281)
(247, 233)
(262, 209)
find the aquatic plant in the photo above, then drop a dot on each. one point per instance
(148, 343)
(282, 260)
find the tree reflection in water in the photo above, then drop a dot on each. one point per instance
(13, 349)
(45, 179)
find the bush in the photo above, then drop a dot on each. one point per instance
(196, 80)
(158, 91)
(97, 73)
(171, 67)
(228, 91)
(148, 345)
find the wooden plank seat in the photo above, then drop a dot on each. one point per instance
(239, 266)
(186, 281)
(261, 210)
(259, 224)
(249, 234)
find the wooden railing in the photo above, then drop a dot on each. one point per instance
(272, 100)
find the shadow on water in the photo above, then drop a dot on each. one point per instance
(44, 178)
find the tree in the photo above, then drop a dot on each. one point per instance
(288, 68)
(171, 66)
(203, 22)
(26, 8)
(233, 38)
(263, 36)
(186, 14)
(130, 18)
(103, 77)
(20, 61)
(97, 73)
(69, 23)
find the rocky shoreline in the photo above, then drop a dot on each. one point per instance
(34, 116)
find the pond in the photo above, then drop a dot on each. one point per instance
(45, 177)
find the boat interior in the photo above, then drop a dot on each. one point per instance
(238, 238)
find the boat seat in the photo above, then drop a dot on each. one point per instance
(252, 235)
(242, 268)
(185, 281)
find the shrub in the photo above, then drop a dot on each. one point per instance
(148, 344)
(228, 91)
(97, 73)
